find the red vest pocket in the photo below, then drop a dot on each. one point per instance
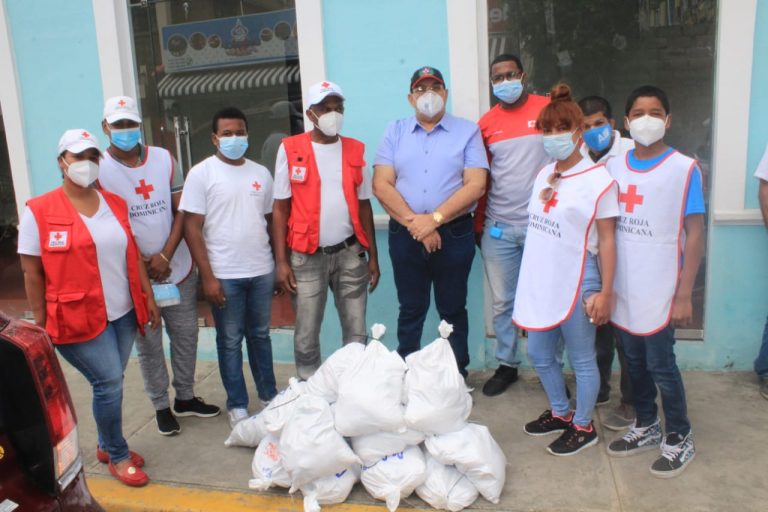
(68, 316)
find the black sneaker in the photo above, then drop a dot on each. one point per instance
(546, 424)
(573, 441)
(195, 407)
(501, 380)
(676, 453)
(166, 423)
(637, 440)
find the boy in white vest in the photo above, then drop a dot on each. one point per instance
(150, 181)
(659, 245)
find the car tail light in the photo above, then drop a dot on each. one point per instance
(52, 389)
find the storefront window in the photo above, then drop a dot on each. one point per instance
(607, 48)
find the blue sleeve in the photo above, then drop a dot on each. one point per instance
(694, 201)
(475, 155)
(385, 153)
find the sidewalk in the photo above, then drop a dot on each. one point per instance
(194, 471)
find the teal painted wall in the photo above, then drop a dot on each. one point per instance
(758, 105)
(57, 64)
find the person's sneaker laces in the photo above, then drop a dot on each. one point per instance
(573, 440)
(637, 440)
(166, 422)
(195, 407)
(546, 424)
(620, 418)
(237, 415)
(501, 380)
(676, 453)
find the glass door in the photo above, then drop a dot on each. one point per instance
(195, 57)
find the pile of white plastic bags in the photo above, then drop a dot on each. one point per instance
(366, 415)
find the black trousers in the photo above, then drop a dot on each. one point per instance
(606, 343)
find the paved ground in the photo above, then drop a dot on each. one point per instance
(195, 471)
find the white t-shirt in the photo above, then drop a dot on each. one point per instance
(607, 206)
(111, 245)
(762, 167)
(234, 200)
(335, 223)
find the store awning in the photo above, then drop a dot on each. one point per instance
(188, 84)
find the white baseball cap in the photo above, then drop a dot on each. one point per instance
(321, 90)
(77, 141)
(121, 107)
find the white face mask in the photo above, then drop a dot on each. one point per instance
(82, 172)
(430, 104)
(330, 123)
(646, 130)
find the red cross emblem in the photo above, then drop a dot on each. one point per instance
(85, 134)
(58, 236)
(256, 185)
(325, 85)
(144, 189)
(551, 203)
(630, 198)
(121, 103)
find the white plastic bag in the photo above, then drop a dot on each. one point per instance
(331, 489)
(309, 445)
(395, 476)
(438, 401)
(445, 487)
(267, 466)
(325, 381)
(370, 393)
(248, 432)
(373, 447)
(281, 408)
(475, 453)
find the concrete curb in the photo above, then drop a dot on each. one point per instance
(114, 496)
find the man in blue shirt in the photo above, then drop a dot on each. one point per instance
(429, 172)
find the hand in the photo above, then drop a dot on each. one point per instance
(154, 313)
(479, 239)
(213, 291)
(373, 270)
(598, 307)
(421, 226)
(157, 268)
(433, 242)
(284, 277)
(682, 311)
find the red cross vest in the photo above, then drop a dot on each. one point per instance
(304, 222)
(74, 298)
(649, 241)
(555, 252)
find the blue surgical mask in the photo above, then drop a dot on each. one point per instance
(125, 139)
(508, 91)
(598, 138)
(559, 146)
(233, 147)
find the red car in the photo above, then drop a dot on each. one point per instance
(41, 468)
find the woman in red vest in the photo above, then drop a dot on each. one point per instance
(88, 288)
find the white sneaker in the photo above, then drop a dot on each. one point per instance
(237, 415)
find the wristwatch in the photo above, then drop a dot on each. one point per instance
(438, 217)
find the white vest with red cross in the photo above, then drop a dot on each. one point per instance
(147, 190)
(649, 241)
(556, 245)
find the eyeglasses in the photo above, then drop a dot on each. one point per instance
(421, 89)
(509, 75)
(547, 192)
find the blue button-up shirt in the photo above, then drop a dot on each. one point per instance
(429, 166)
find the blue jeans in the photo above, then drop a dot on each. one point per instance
(417, 272)
(651, 362)
(761, 363)
(246, 313)
(502, 258)
(579, 336)
(102, 361)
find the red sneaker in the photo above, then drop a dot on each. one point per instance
(129, 475)
(137, 459)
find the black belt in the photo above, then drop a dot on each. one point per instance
(459, 219)
(333, 249)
